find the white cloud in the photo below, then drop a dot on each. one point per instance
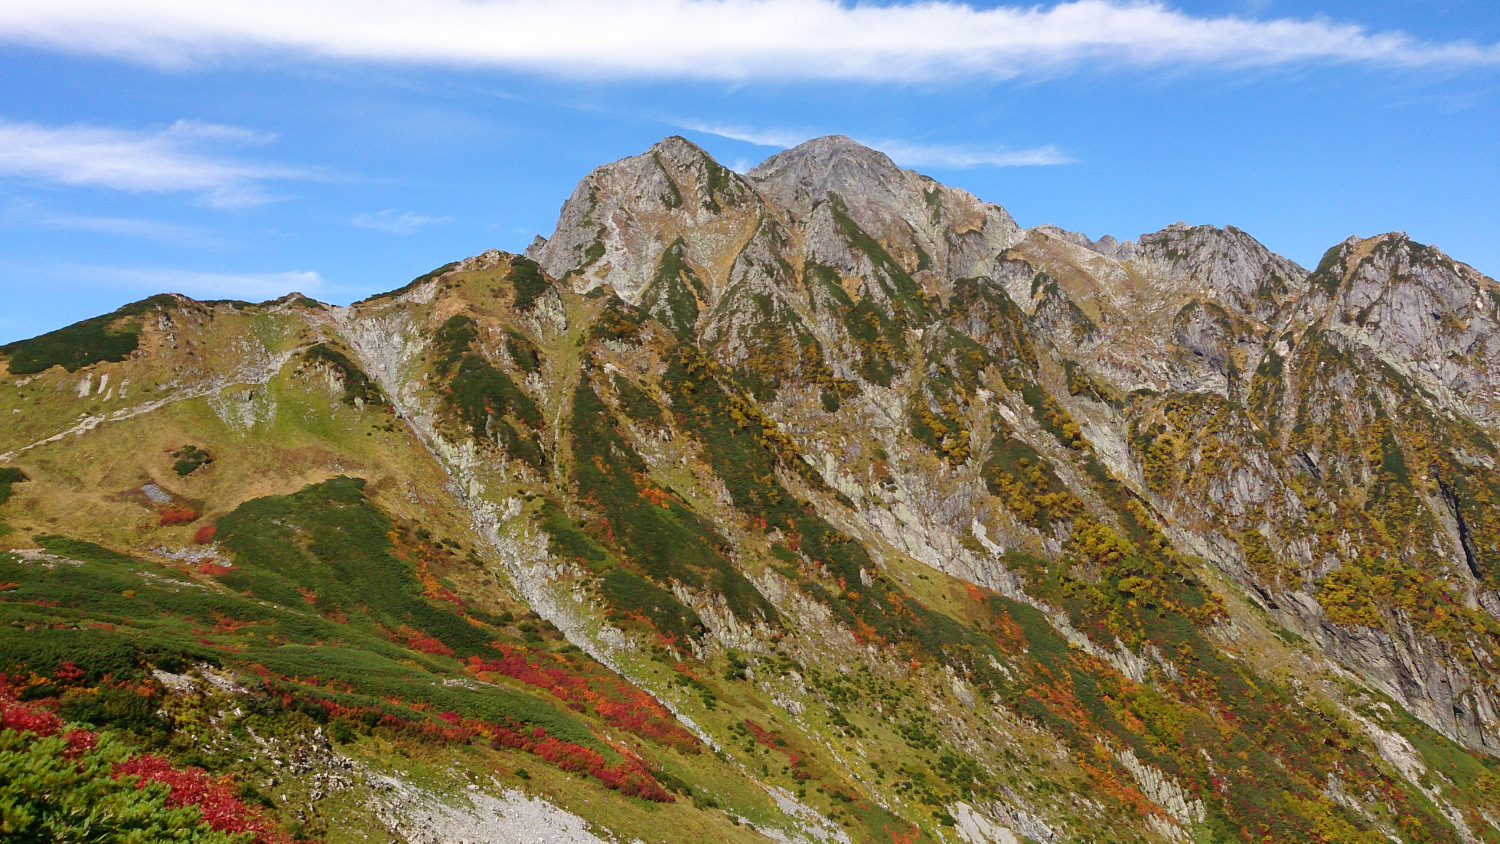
(779, 138)
(252, 287)
(158, 161)
(901, 152)
(219, 132)
(390, 222)
(31, 217)
(939, 155)
(717, 39)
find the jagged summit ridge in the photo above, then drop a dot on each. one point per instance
(623, 216)
(1435, 319)
(928, 227)
(1232, 267)
(799, 178)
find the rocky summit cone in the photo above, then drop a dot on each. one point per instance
(821, 503)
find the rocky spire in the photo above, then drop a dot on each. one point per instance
(1227, 265)
(622, 217)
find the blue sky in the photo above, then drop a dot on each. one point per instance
(339, 147)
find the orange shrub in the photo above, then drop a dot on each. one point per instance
(178, 516)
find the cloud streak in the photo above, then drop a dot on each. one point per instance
(26, 216)
(715, 39)
(902, 152)
(778, 138)
(391, 222)
(943, 155)
(160, 161)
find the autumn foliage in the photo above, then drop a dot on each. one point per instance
(214, 799)
(419, 641)
(177, 516)
(630, 776)
(622, 705)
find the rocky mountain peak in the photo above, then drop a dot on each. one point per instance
(1107, 245)
(832, 163)
(1225, 264)
(923, 223)
(622, 216)
(1431, 317)
(679, 151)
(1360, 269)
(871, 187)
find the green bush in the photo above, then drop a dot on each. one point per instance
(651, 529)
(566, 540)
(631, 596)
(411, 285)
(329, 539)
(9, 477)
(672, 297)
(636, 403)
(877, 337)
(120, 709)
(529, 282)
(108, 338)
(909, 303)
(49, 793)
(484, 399)
(524, 352)
(357, 385)
(190, 459)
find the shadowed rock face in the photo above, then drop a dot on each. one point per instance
(858, 513)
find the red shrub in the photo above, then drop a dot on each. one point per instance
(30, 718)
(586, 688)
(417, 640)
(193, 787)
(178, 516)
(15, 715)
(205, 534)
(79, 742)
(629, 777)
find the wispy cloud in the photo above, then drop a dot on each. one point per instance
(219, 132)
(943, 155)
(392, 222)
(154, 161)
(902, 152)
(254, 287)
(36, 218)
(779, 138)
(721, 39)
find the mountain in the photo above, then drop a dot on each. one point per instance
(817, 503)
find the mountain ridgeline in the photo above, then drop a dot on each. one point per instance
(819, 503)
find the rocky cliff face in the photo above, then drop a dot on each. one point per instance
(854, 512)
